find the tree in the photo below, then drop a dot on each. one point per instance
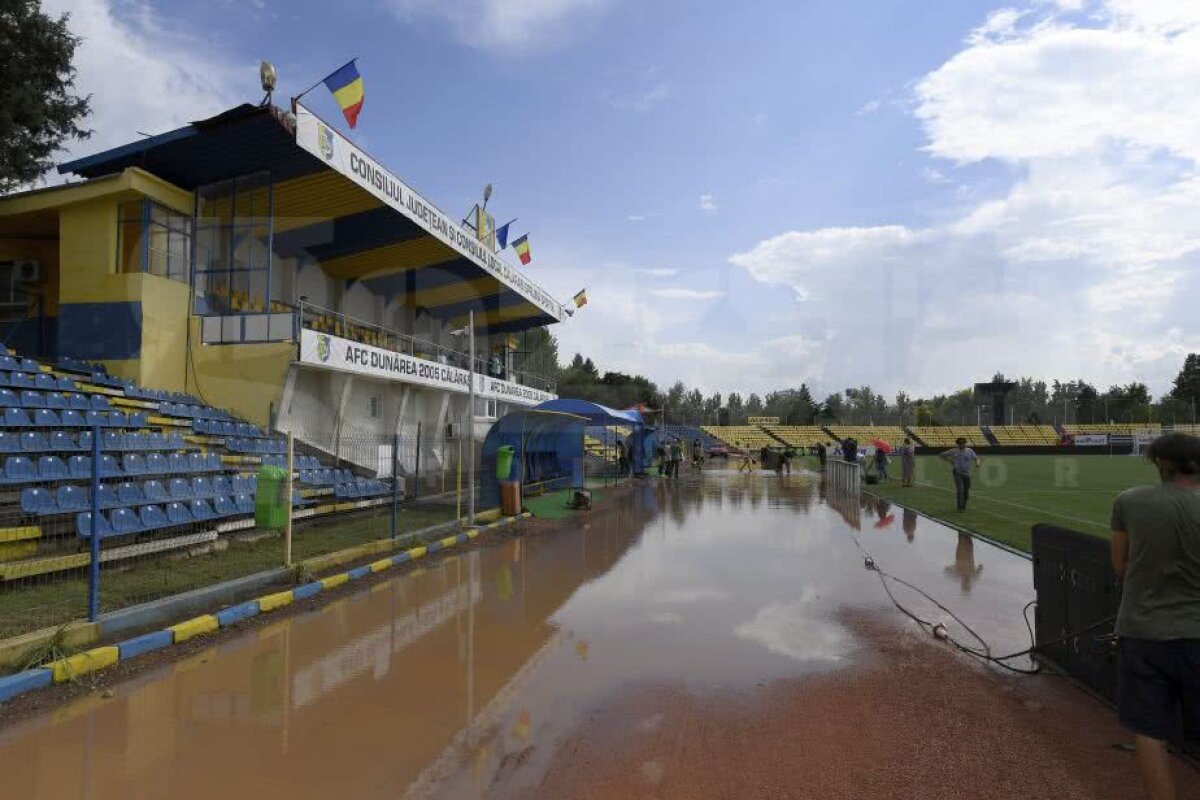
(1187, 383)
(38, 109)
(754, 406)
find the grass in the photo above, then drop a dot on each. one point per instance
(52, 602)
(1011, 493)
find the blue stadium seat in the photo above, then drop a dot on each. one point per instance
(60, 442)
(19, 380)
(10, 442)
(33, 442)
(200, 426)
(51, 468)
(65, 384)
(56, 401)
(124, 521)
(133, 464)
(95, 418)
(157, 464)
(108, 496)
(4, 379)
(178, 464)
(112, 441)
(195, 462)
(223, 506)
(109, 467)
(83, 525)
(9, 364)
(30, 366)
(152, 517)
(45, 418)
(71, 498)
(175, 441)
(202, 487)
(130, 493)
(45, 382)
(16, 418)
(222, 485)
(118, 419)
(178, 514)
(71, 419)
(85, 441)
(98, 402)
(239, 484)
(79, 467)
(201, 510)
(244, 503)
(38, 501)
(180, 489)
(79, 402)
(135, 442)
(32, 399)
(9, 398)
(18, 469)
(212, 463)
(155, 492)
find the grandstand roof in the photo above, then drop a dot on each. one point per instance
(395, 242)
(595, 413)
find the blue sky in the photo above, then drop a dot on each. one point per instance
(907, 194)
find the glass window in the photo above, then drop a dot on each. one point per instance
(233, 237)
(154, 239)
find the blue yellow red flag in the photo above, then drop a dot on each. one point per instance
(521, 246)
(346, 86)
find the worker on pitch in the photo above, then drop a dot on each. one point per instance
(964, 462)
(1156, 550)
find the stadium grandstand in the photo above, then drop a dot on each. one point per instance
(865, 434)
(799, 435)
(945, 436)
(1024, 435)
(742, 437)
(261, 263)
(1114, 428)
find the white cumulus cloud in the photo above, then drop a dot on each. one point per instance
(708, 202)
(505, 26)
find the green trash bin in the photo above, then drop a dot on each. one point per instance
(504, 457)
(271, 503)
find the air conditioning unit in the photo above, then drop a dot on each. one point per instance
(27, 271)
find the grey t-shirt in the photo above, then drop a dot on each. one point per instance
(1161, 597)
(962, 460)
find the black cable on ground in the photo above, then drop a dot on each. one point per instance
(938, 630)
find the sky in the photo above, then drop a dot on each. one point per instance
(910, 194)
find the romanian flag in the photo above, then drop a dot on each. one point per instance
(347, 88)
(522, 247)
(581, 298)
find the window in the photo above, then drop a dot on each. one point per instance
(374, 406)
(152, 238)
(233, 244)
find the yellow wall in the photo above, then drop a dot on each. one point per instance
(246, 379)
(45, 251)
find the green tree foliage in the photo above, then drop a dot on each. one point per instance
(38, 110)
(1187, 383)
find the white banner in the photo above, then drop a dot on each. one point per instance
(1091, 439)
(340, 154)
(334, 352)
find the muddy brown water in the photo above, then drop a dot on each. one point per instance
(437, 682)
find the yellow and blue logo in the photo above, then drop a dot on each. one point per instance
(323, 347)
(325, 141)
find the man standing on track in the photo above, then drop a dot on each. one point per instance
(964, 461)
(1156, 549)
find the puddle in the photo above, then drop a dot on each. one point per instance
(444, 681)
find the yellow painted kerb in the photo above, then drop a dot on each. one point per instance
(335, 580)
(82, 663)
(271, 602)
(194, 627)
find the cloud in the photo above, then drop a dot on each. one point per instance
(1080, 265)
(679, 293)
(708, 202)
(643, 100)
(869, 107)
(660, 272)
(636, 217)
(505, 26)
(142, 74)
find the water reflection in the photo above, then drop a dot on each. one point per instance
(465, 676)
(964, 567)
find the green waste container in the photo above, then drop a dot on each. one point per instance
(271, 503)
(504, 457)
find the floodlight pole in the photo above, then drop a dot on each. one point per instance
(471, 420)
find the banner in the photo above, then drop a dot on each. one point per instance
(333, 352)
(762, 420)
(1091, 439)
(341, 155)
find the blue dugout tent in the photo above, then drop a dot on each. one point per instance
(548, 452)
(599, 416)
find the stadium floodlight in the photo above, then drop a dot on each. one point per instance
(487, 194)
(266, 73)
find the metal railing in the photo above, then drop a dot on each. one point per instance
(346, 326)
(843, 477)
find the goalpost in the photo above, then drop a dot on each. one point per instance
(1142, 439)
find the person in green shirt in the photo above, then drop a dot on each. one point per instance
(1156, 551)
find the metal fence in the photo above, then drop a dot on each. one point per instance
(170, 522)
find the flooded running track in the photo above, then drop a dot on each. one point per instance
(444, 681)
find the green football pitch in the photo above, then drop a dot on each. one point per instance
(1011, 493)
